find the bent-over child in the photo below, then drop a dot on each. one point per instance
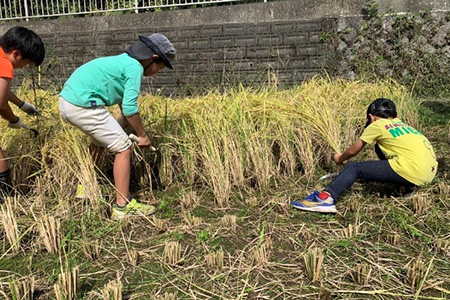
(19, 47)
(108, 81)
(406, 158)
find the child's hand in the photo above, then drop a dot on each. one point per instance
(137, 140)
(144, 142)
(29, 109)
(16, 125)
(336, 158)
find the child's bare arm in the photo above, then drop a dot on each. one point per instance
(23, 105)
(351, 151)
(14, 99)
(136, 122)
(5, 110)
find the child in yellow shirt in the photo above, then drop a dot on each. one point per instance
(406, 158)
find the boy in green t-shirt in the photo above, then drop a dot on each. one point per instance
(406, 158)
(107, 81)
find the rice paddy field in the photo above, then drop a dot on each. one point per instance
(227, 168)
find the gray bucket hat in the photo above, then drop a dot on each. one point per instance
(157, 44)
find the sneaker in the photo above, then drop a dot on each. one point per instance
(314, 203)
(133, 208)
(80, 194)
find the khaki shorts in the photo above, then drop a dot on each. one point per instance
(98, 123)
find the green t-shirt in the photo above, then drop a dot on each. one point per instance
(106, 81)
(408, 151)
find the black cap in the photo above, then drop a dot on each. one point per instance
(379, 105)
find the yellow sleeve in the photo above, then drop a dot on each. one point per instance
(371, 133)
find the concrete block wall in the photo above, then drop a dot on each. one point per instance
(246, 52)
(207, 55)
(275, 41)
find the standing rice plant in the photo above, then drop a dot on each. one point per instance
(159, 224)
(216, 168)
(112, 291)
(242, 139)
(192, 221)
(75, 160)
(92, 249)
(351, 231)
(416, 272)
(361, 274)
(173, 253)
(229, 222)
(263, 252)
(50, 233)
(214, 259)
(22, 289)
(335, 110)
(421, 203)
(313, 260)
(9, 222)
(305, 152)
(66, 287)
(245, 138)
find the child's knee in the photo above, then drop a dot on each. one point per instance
(351, 165)
(122, 144)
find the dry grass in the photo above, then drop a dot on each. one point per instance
(361, 274)
(50, 233)
(214, 260)
(22, 289)
(112, 291)
(92, 249)
(9, 222)
(66, 288)
(229, 222)
(173, 253)
(313, 260)
(230, 165)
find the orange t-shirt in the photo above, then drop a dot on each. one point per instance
(6, 67)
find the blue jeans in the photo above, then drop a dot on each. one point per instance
(379, 171)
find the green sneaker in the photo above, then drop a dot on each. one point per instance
(133, 208)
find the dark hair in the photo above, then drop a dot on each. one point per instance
(26, 41)
(383, 108)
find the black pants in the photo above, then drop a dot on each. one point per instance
(379, 171)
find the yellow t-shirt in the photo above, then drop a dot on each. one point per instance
(408, 151)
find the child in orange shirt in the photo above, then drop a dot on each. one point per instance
(19, 47)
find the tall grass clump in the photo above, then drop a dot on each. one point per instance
(247, 138)
(244, 139)
(259, 146)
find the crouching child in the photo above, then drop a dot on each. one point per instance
(115, 80)
(406, 158)
(19, 47)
